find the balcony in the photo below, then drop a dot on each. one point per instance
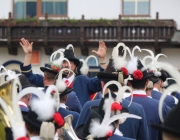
(84, 33)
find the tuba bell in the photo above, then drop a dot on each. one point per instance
(67, 132)
(6, 96)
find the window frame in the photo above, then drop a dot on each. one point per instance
(124, 15)
(39, 10)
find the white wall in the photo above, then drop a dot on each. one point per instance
(94, 9)
(5, 8)
(168, 9)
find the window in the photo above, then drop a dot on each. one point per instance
(136, 7)
(38, 8)
(24, 8)
(54, 7)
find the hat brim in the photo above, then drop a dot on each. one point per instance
(67, 91)
(104, 75)
(32, 123)
(43, 69)
(147, 76)
(165, 129)
(75, 60)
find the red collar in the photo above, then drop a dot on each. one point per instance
(139, 95)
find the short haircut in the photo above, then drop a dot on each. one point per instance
(49, 76)
(138, 84)
(32, 130)
(63, 98)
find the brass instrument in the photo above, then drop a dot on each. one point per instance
(67, 132)
(6, 95)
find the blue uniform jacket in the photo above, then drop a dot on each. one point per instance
(84, 87)
(151, 110)
(116, 137)
(131, 128)
(64, 112)
(37, 79)
(168, 100)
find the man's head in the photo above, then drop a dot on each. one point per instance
(158, 83)
(66, 65)
(49, 78)
(138, 85)
(63, 98)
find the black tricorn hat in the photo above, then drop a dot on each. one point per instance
(24, 81)
(66, 91)
(163, 77)
(99, 109)
(112, 74)
(32, 119)
(171, 123)
(145, 73)
(49, 69)
(69, 54)
(82, 131)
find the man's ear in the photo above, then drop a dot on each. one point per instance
(147, 82)
(45, 77)
(129, 84)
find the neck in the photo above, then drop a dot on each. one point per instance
(157, 86)
(31, 135)
(148, 93)
(48, 83)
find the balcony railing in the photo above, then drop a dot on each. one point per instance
(83, 31)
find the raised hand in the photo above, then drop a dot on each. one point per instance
(101, 52)
(27, 47)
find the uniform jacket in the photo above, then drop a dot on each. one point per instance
(131, 128)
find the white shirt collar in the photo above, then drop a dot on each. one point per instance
(149, 96)
(62, 105)
(35, 138)
(70, 79)
(22, 103)
(140, 92)
(155, 89)
(118, 132)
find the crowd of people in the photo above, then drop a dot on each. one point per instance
(127, 100)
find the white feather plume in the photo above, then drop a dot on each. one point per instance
(44, 108)
(132, 65)
(165, 83)
(85, 68)
(97, 130)
(60, 84)
(157, 73)
(119, 62)
(70, 46)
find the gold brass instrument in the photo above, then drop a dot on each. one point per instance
(6, 95)
(67, 132)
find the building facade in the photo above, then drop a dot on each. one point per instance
(134, 22)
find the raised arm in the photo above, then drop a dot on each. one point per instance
(101, 53)
(35, 79)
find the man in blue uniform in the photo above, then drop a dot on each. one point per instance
(47, 79)
(138, 84)
(156, 94)
(132, 128)
(88, 85)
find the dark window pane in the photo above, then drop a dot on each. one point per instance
(143, 8)
(31, 9)
(129, 8)
(19, 10)
(60, 8)
(47, 7)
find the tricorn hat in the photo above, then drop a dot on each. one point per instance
(69, 54)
